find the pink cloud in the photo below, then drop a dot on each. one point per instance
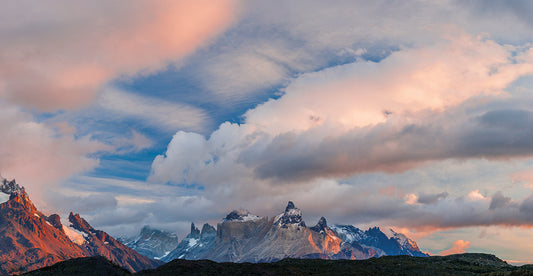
(57, 55)
(458, 247)
(40, 156)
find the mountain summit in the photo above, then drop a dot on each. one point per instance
(291, 217)
(30, 240)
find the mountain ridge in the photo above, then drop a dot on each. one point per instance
(29, 239)
(244, 237)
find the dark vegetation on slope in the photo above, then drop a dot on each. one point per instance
(87, 266)
(460, 264)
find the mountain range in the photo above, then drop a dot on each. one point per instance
(244, 237)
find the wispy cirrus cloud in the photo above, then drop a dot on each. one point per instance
(158, 112)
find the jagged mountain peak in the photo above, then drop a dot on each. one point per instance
(291, 216)
(195, 232)
(240, 215)
(55, 220)
(321, 225)
(402, 239)
(152, 242)
(208, 229)
(10, 187)
(15, 194)
(79, 223)
(290, 206)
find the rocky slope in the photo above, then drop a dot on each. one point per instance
(30, 240)
(152, 243)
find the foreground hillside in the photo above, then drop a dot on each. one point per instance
(460, 264)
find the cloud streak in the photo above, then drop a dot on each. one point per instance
(57, 55)
(152, 111)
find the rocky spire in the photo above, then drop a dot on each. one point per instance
(10, 187)
(195, 232)
(208, 230)
(79, 223)
(291, 216)
(320, 226)
(290, 206)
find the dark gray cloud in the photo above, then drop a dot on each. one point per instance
(431, 198)
(499, 201)
(526, 207)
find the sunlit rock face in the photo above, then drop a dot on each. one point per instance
(244, 237)
(29, 239)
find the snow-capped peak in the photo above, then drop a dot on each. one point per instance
(291, 216)
(241, 215)
(403, 240)
(348, 233)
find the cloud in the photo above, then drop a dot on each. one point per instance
(459, 246)
(499, 201)
(57, 55)
(153, 111)
(332, 123)
(431, 198)
(124, 206)
(137, 142)
(38, 156)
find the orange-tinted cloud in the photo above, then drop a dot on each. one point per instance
(458, 247)
(57, 55)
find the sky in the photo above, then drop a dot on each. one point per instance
(416, 115)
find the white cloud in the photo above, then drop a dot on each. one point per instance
(153, 111)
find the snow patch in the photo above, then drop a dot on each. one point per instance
(192, 242)
(241, 215)
(3, 197)
(166, 254)
(74, 235)
(35, 214)
(350, 233)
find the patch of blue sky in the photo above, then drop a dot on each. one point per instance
(131, 166)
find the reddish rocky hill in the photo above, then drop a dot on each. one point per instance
(30, 240)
